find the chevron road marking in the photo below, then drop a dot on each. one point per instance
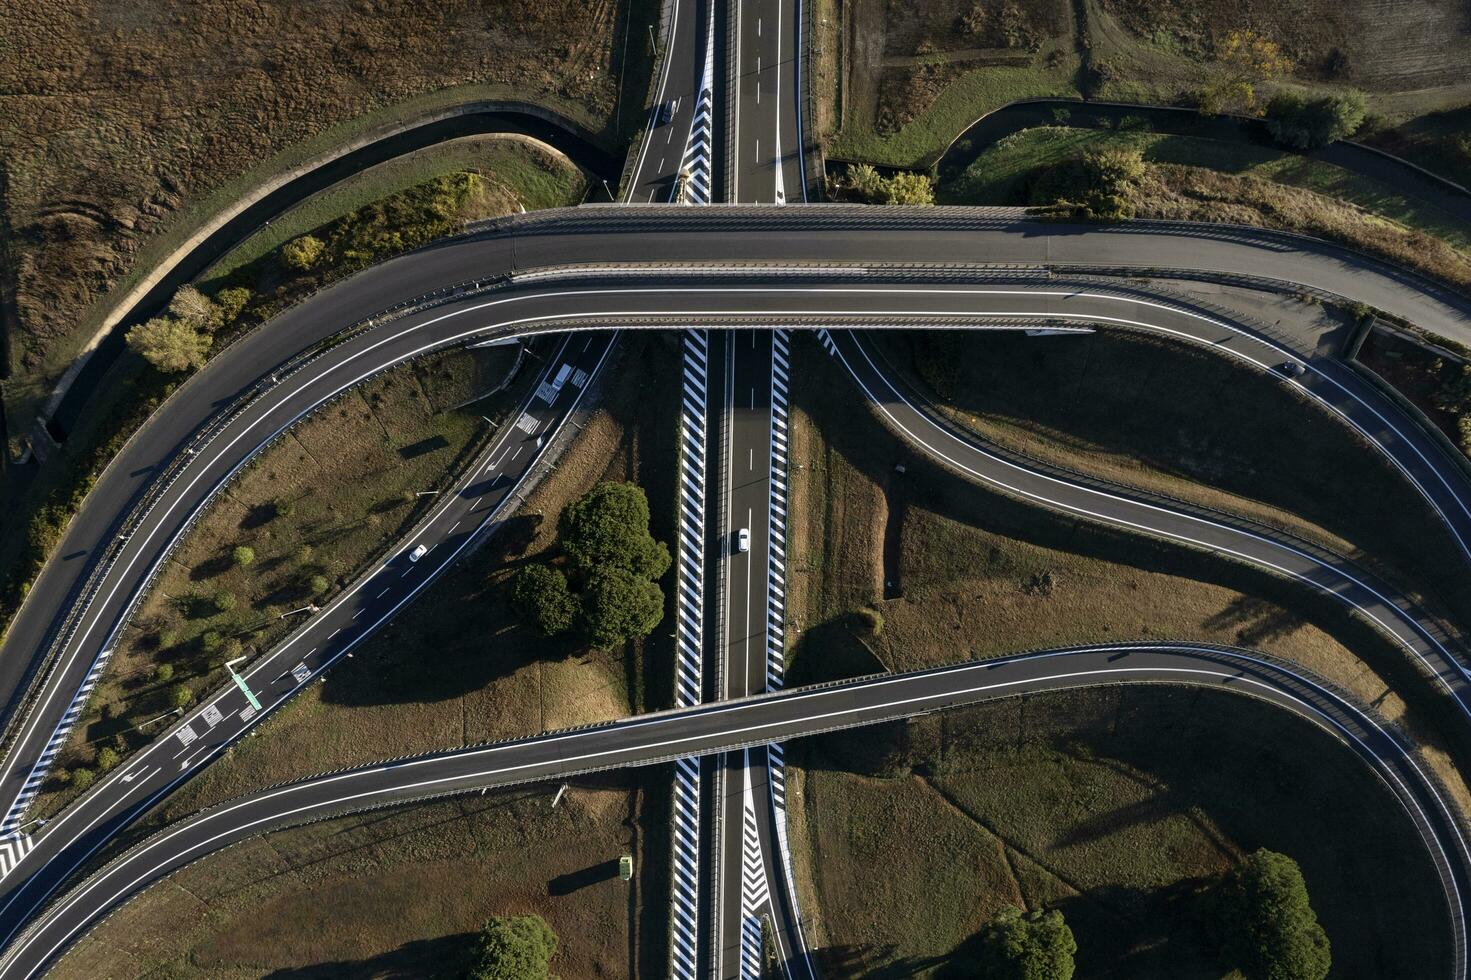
(13, 847)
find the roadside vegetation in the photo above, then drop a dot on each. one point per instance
(502, 886)
(1165, 831)
(428, 681)
(201, 320)
(1108, 175)
(1438, 386)
(298, 525)
(109, 164)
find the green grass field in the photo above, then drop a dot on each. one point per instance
(1111, 805)
(999, 175)
(400, 892)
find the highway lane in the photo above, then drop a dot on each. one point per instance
(483, 496)
(765, 150)
(818, 234)
(547, 303)
(920, 424)
(748, 723)
(744, 641)
(662, 148)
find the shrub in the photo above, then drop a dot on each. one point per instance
(870, 620)
(180, 696)
(82, 778)
(211, 641)
(300, 254)
(513, 948)
(1096, 184)
(1032, 946)
(229, 304)
(863, 183)
(169, 345)
(541, 596)
(1463, 426)
(163, 673)
(224, 601)
(319, 584)
(1453, 394)
(107, 757)
(168, 639)
(1303, 123)
(302, 555)
(243, 555)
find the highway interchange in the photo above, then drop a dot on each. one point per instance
(731, 270)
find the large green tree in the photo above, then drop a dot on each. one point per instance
(1269, 928)
(608, 527)
(618, 606)
(517, 947)
(540, 594)
(1025, 946)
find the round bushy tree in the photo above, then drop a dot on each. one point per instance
(1270, 928)
(608, 527)
(540, 594)
(619, 606)
(1025, 946)
(243, 555)
(516, 947)
(170, 345)
(300, 254)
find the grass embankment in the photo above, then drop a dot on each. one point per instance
(311, 517)
(431, 680)
(109, 169)
(1112, 805)
(506, 175)
(972, 574)
(401, 892)
(517, 173)
(1002, 173)
(1182, 421)
(915, 75)
(1192, 179)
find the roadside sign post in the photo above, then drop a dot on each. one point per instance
(240, 682)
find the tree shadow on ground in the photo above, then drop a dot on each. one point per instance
(869, 960)
(443, 957)
(1255, 620)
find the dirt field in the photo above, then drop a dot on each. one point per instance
(399, 893)
(915, 73)
(1112, 806)
(124, 125)
(428, 681)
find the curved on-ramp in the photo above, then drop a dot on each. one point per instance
(731, 725)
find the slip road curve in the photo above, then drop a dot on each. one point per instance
(751, 722)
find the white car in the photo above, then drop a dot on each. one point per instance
(743, 540)
(419, 552)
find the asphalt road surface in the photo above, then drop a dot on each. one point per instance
(551, 305)
(657, 164)
(484, 495)
(746, 723)
(675, 297)
(765, 130)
